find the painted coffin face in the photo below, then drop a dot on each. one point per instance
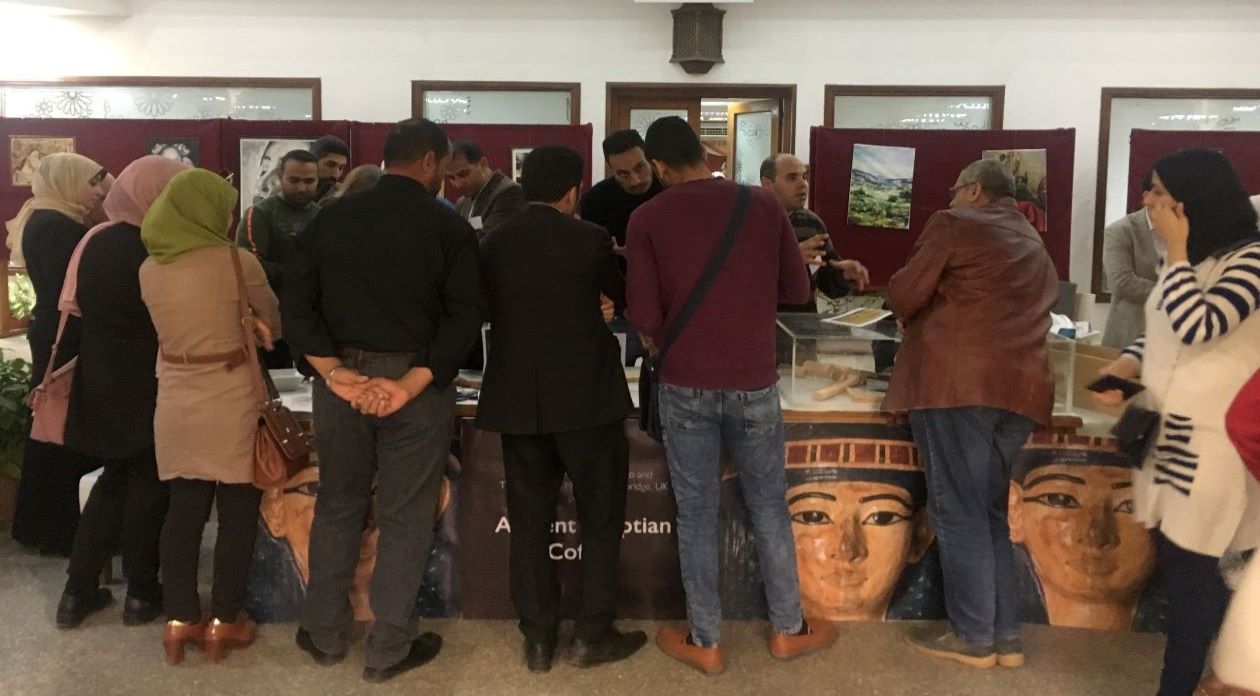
(1071, 506)
(858, 520)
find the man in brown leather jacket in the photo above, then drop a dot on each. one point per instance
(975, 298)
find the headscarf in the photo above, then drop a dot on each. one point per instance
(128, 200)
(192, 213)
(58, 185)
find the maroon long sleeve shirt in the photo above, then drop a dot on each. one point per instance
(729, 342)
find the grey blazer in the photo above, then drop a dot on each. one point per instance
(1129, 259)
(498, 200)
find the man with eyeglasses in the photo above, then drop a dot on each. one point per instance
(973, 373)
(610, 203)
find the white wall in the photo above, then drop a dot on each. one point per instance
(1052, 56)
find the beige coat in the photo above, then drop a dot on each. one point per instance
(207, 416)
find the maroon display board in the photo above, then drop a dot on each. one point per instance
(496, 141)
(1147, 146)
(114, 143)
(939, 157)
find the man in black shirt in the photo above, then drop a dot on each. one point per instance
(785, 175)
(385, 324)
(554, 387)
(633, 183)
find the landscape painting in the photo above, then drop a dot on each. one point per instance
(880, 186)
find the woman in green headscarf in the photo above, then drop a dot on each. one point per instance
(207, 415)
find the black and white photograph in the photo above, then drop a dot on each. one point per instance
(260, 167)
(518, 161)
(184, 150)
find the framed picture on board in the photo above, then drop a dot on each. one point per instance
(518, 161)
(27, 151)
(260, 166)
(184, 150)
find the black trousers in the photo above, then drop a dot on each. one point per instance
(126, 509)
(47, 513)
(233, 549)
(1197, 600)
(597, 463)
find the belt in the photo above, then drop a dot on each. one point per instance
(359, 354)
(230, 360)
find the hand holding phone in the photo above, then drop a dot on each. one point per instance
(1127, 387)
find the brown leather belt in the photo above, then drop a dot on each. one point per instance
(230, 360)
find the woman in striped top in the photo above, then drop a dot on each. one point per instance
(1202, 344)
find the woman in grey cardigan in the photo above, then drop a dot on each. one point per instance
(1130, 255)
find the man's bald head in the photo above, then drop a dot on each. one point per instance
(786, 176)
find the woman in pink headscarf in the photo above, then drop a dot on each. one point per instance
(112, 404)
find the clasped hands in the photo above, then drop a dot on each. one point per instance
(377, 396)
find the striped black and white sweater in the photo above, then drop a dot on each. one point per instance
(1202, 344)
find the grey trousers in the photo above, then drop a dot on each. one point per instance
(408, 452)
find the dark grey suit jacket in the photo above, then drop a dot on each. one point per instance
(554, 366)
(498, 200)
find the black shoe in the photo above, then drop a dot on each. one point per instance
(137, 611)
(74, 608)
(614, 646)
(325, 659)
(538, 655)
(423, 650)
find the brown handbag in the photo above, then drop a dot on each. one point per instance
(281, 446)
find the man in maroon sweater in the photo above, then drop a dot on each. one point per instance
(719, 381)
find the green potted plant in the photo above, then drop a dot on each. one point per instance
(15, 420)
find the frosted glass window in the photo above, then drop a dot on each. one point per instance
(156, 102)
(754, 132)
(642, 119)
(959, 112)
(1165, 114)
(499, 107)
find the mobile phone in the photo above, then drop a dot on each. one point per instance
(1107, 383)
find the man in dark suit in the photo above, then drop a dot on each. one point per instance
(555, 388)
(487, 196)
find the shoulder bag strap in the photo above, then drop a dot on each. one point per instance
(710, 273)
(247, 330)
(249, 230)
(52, 359)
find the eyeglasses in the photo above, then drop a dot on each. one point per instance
(953, 190)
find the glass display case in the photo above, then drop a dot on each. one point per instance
(825, 366)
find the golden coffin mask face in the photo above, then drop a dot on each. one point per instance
(1072, 508)
(858, 518)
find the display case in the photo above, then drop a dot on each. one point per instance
(826, 366)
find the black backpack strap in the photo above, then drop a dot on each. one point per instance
(710, 272)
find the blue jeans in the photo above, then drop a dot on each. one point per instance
(967, 454)
(697, 422)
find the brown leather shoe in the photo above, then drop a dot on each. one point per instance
(673, 642)
(179, 634)
(816, 635)
(220, 636)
